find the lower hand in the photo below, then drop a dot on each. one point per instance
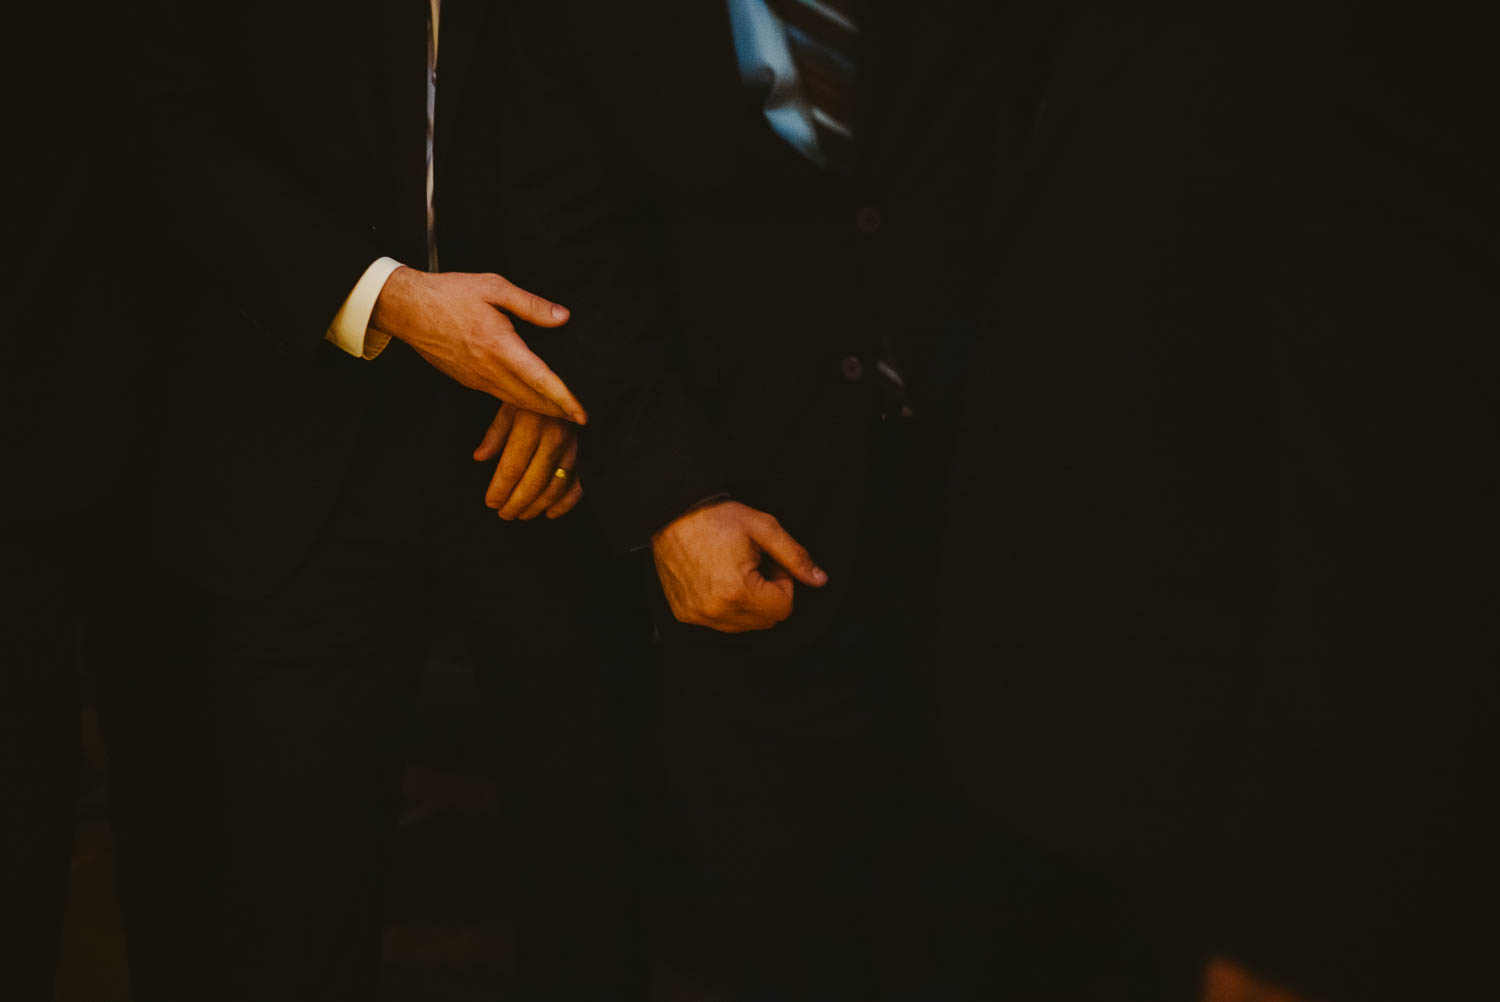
(535, 473)
(453, 320)
(709, 561)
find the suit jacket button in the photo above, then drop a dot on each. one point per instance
(868, 219)
(852, 368)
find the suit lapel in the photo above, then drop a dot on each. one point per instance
(403, 43)
(925, 68)
(1081, 59)
(463, 21)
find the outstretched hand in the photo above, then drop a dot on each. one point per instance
(454, 321)
(710, 563)
(535, 473)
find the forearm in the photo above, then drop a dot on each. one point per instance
(250, 230)
(559, 218)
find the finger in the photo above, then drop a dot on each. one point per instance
(786, 551)
(556, 486)
(527, 305)
(496, 434)
(540, 472)
(568, 502)
(525, 434)
(522, 378)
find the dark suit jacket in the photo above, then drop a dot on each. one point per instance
(1108, 517)
(770, 280)
(295, 158)
(1212, 603)
(73, 229)
(1362, 834)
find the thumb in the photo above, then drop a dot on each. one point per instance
(770, 595)
(777, 578)
(527, 306)
(786, 551)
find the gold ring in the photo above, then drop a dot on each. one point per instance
(562, 473)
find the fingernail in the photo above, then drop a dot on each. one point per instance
(820, 575)
(559, 312)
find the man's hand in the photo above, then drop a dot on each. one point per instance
(533, 450)
(710, 559)
(454, 321)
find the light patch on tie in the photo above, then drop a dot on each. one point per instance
(832, 15)
(832, 124)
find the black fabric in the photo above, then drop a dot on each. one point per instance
(39, 734)
(69, 415)
(1211, 615)
(769, 282)
(1108, 524)
(255, 828)
(1371, 748)
(293, 158)
(802, 786)
(313, 518)
(802, 778)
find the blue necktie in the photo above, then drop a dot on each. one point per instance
(826, 39)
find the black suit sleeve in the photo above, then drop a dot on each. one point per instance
(531, 183)
(264, 169)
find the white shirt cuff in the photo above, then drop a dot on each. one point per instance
(350, 329)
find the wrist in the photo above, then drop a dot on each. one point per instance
(713, 499)
(392, 305)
